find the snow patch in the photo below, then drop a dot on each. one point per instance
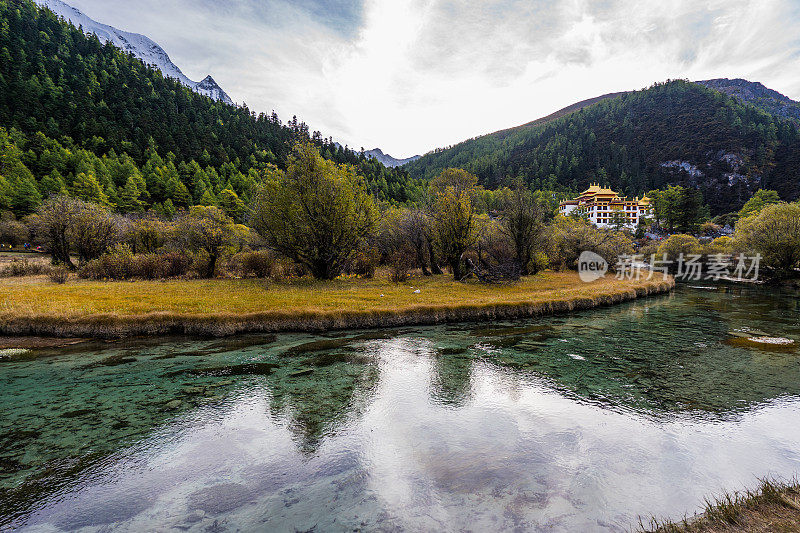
(685, 166)
(138, 45)
(388, 160)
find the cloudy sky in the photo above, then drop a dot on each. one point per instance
(412, 75)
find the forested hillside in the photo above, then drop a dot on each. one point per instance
(672, 133)
(756, 94)
(87, 119)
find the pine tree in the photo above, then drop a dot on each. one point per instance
(207, 199)
(5, 193)
(176, 191)
(129, 197)
(53, 184)
(87, 188)
(230, 203)
(25, 197)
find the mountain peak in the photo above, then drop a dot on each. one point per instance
(139, 45)
(209, 87)
(387, 160)
(755, 93)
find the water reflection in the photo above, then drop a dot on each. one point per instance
(574, 422)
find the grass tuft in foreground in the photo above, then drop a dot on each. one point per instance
(772, 507)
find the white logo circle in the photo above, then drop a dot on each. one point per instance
(591, 267)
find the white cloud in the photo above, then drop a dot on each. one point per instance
(411, 75)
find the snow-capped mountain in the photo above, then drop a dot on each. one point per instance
(139, 45)
(388, 160)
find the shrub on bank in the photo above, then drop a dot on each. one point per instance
(569, 238)
(255, 264)
(122, 264)
(364, 263)
(720, 245)
(400, 264)
(774, 232)
(676, 245)
(59, 275)
(22, 267)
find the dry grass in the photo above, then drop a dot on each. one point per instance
(37, 306)
(7, 257)
(773, 507)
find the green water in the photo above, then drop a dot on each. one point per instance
(573, 423)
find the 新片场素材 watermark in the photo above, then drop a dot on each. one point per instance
(686, 267)
(690, 267)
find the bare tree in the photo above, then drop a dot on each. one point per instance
(54, 221)
(94, 230)
(523, 221)
(68, 224)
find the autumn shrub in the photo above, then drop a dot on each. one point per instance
(676, 245)
(116, 264)
(401, 262)
(720, 245)
(709, 228)
(22, 267)
(364, 262)
(59, 275)
(12, 231)
(773, 232)
(257, 264)
(568, 238)
(174, 264)
(648, 249)
(121, 264)
(316, 212)
(539, 262)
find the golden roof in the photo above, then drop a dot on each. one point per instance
(593, 188)
(590, 196)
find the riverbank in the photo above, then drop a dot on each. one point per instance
(36, 306)
(773, 506)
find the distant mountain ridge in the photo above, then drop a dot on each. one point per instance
(139, 45)
(678, 132)
(757, 94)
(387, 160)
(558, 114)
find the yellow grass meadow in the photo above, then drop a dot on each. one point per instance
(32, 301)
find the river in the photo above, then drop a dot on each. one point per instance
(583, 422)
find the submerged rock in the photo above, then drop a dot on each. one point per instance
(452, 351)
(174, 404)
(502, 331)
(245, 369)
(328, 359)
(504, 342)
(320, 346)
(76, 413)
(114, 360)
